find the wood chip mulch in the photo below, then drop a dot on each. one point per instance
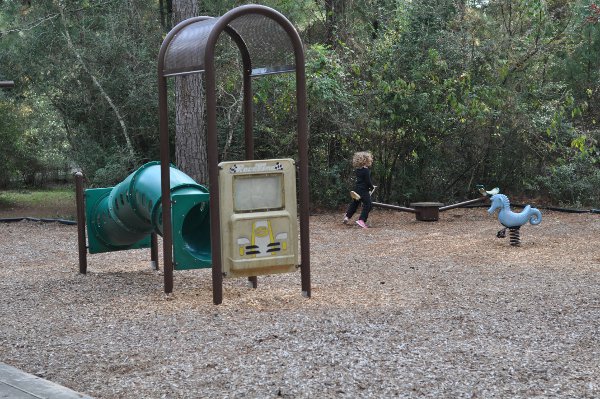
(404, 309)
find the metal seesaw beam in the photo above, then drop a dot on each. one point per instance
(7, 84)
(428, 211)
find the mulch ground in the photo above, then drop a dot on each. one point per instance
(404, 309)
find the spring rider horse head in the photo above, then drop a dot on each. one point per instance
(511, 220)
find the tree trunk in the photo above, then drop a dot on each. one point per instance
(190, 135)
(166, 11)
(330, 21)
(334, 10)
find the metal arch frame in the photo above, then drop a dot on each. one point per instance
(212, 148)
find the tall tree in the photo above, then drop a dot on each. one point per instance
(190, 137)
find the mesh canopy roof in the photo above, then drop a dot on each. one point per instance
(268, 44)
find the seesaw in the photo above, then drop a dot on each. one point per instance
(430, 211)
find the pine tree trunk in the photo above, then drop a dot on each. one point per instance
(190, 135)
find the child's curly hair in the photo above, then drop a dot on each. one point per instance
(362, 158)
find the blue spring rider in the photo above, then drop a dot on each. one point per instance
(511, 220)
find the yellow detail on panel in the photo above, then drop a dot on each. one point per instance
(261, 231)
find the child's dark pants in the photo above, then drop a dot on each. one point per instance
(365, 198)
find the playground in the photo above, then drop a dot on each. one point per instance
(416, 306)
(404, 309)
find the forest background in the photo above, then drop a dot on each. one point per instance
(447, 94)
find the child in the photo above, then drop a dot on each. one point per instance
(361, 162)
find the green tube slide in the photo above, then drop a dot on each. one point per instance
(122, 217)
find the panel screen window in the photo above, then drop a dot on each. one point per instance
(258, 193)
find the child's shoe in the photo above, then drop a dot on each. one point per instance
(346, 220)
(362, 224)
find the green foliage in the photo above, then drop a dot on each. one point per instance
(10, 150)
(576, 183)
(459, 96)
(332, 115)
(333, 120)
(445, 94)
(69, 60)
(107, 164)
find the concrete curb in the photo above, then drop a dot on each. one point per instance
(16, 384)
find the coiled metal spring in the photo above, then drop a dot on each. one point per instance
(515, 237)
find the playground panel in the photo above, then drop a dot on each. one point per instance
(258, 217)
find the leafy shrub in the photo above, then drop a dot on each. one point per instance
(574, 184)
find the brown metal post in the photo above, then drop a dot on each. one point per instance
(165, 174)
(154, 251)
(165, 178)
(303, 158)
(248, 132)
(80, 204)
(213, 168)
(253, 280)
(248, 113)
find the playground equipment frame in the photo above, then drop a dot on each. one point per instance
(222, 25)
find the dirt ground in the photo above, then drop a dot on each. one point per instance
(405, 309)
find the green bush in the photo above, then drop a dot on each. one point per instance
(575, 184)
